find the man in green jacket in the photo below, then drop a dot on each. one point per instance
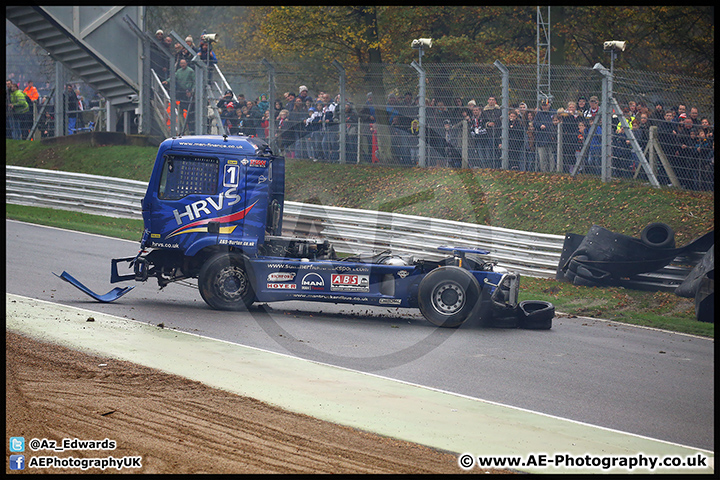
(184, 88)
(18, 108)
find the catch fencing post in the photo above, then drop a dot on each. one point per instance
(341, 106)
(606, 151)
(504, 155)
(271, 102)
(634, 144)
(60, 115)
(422, 114)
(464, 140)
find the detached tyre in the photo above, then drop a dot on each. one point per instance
(536, 315)
(447, 296)
(658, 235)
(224, 283)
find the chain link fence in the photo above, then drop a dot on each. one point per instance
(487, 116)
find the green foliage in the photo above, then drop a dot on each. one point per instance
(131, 162)
(663, 310)
(127, 229)
(674, 39)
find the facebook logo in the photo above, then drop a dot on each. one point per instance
(17, 462)
(17, 444)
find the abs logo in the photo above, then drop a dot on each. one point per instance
(350, 283)
(312, 281)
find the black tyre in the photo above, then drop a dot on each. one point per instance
(447, 296)
(658, 235)
(224, 282)
(536, 314)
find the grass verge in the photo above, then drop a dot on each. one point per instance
(127, 229)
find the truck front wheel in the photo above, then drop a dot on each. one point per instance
(224, 283)
(447, 296)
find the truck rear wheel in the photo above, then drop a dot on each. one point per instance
(447, 295)
(224, 283)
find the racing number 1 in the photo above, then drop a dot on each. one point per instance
(231, 175)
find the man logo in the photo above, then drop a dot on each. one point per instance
(312, 281)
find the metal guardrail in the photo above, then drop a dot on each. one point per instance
(79, 192)
(349, 230)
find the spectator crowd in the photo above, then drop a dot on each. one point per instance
(24, 108)
(308, 127)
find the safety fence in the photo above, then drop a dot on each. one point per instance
(484, 116)
(351, 231)
(441, 114)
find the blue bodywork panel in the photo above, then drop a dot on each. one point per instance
(278, 279)
(111, 296)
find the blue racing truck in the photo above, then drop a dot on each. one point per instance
(214, 211)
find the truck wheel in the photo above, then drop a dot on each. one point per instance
(224, 282)
(447, 295)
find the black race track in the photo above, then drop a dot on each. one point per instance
(651, 383)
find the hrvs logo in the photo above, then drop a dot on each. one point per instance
(196, 209)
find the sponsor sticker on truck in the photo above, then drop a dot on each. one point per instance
(344, 282)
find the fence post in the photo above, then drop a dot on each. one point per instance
(201, 103)
(669, 170)
(504, 155)
(586, 145)
(343, 125)
(635, 146)
(559, 151)
(606, 122)
(60, 115)
(464, 137)
(421, 115)
(358, 141)
(271, 105)
(146, 113)
(650, 152)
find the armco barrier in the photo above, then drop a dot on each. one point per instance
(349, 230)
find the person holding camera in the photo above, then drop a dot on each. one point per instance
(208, 57)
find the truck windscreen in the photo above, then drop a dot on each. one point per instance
(186, 175)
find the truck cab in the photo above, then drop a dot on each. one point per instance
(210, 190)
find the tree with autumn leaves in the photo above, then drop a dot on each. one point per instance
(668, 39)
